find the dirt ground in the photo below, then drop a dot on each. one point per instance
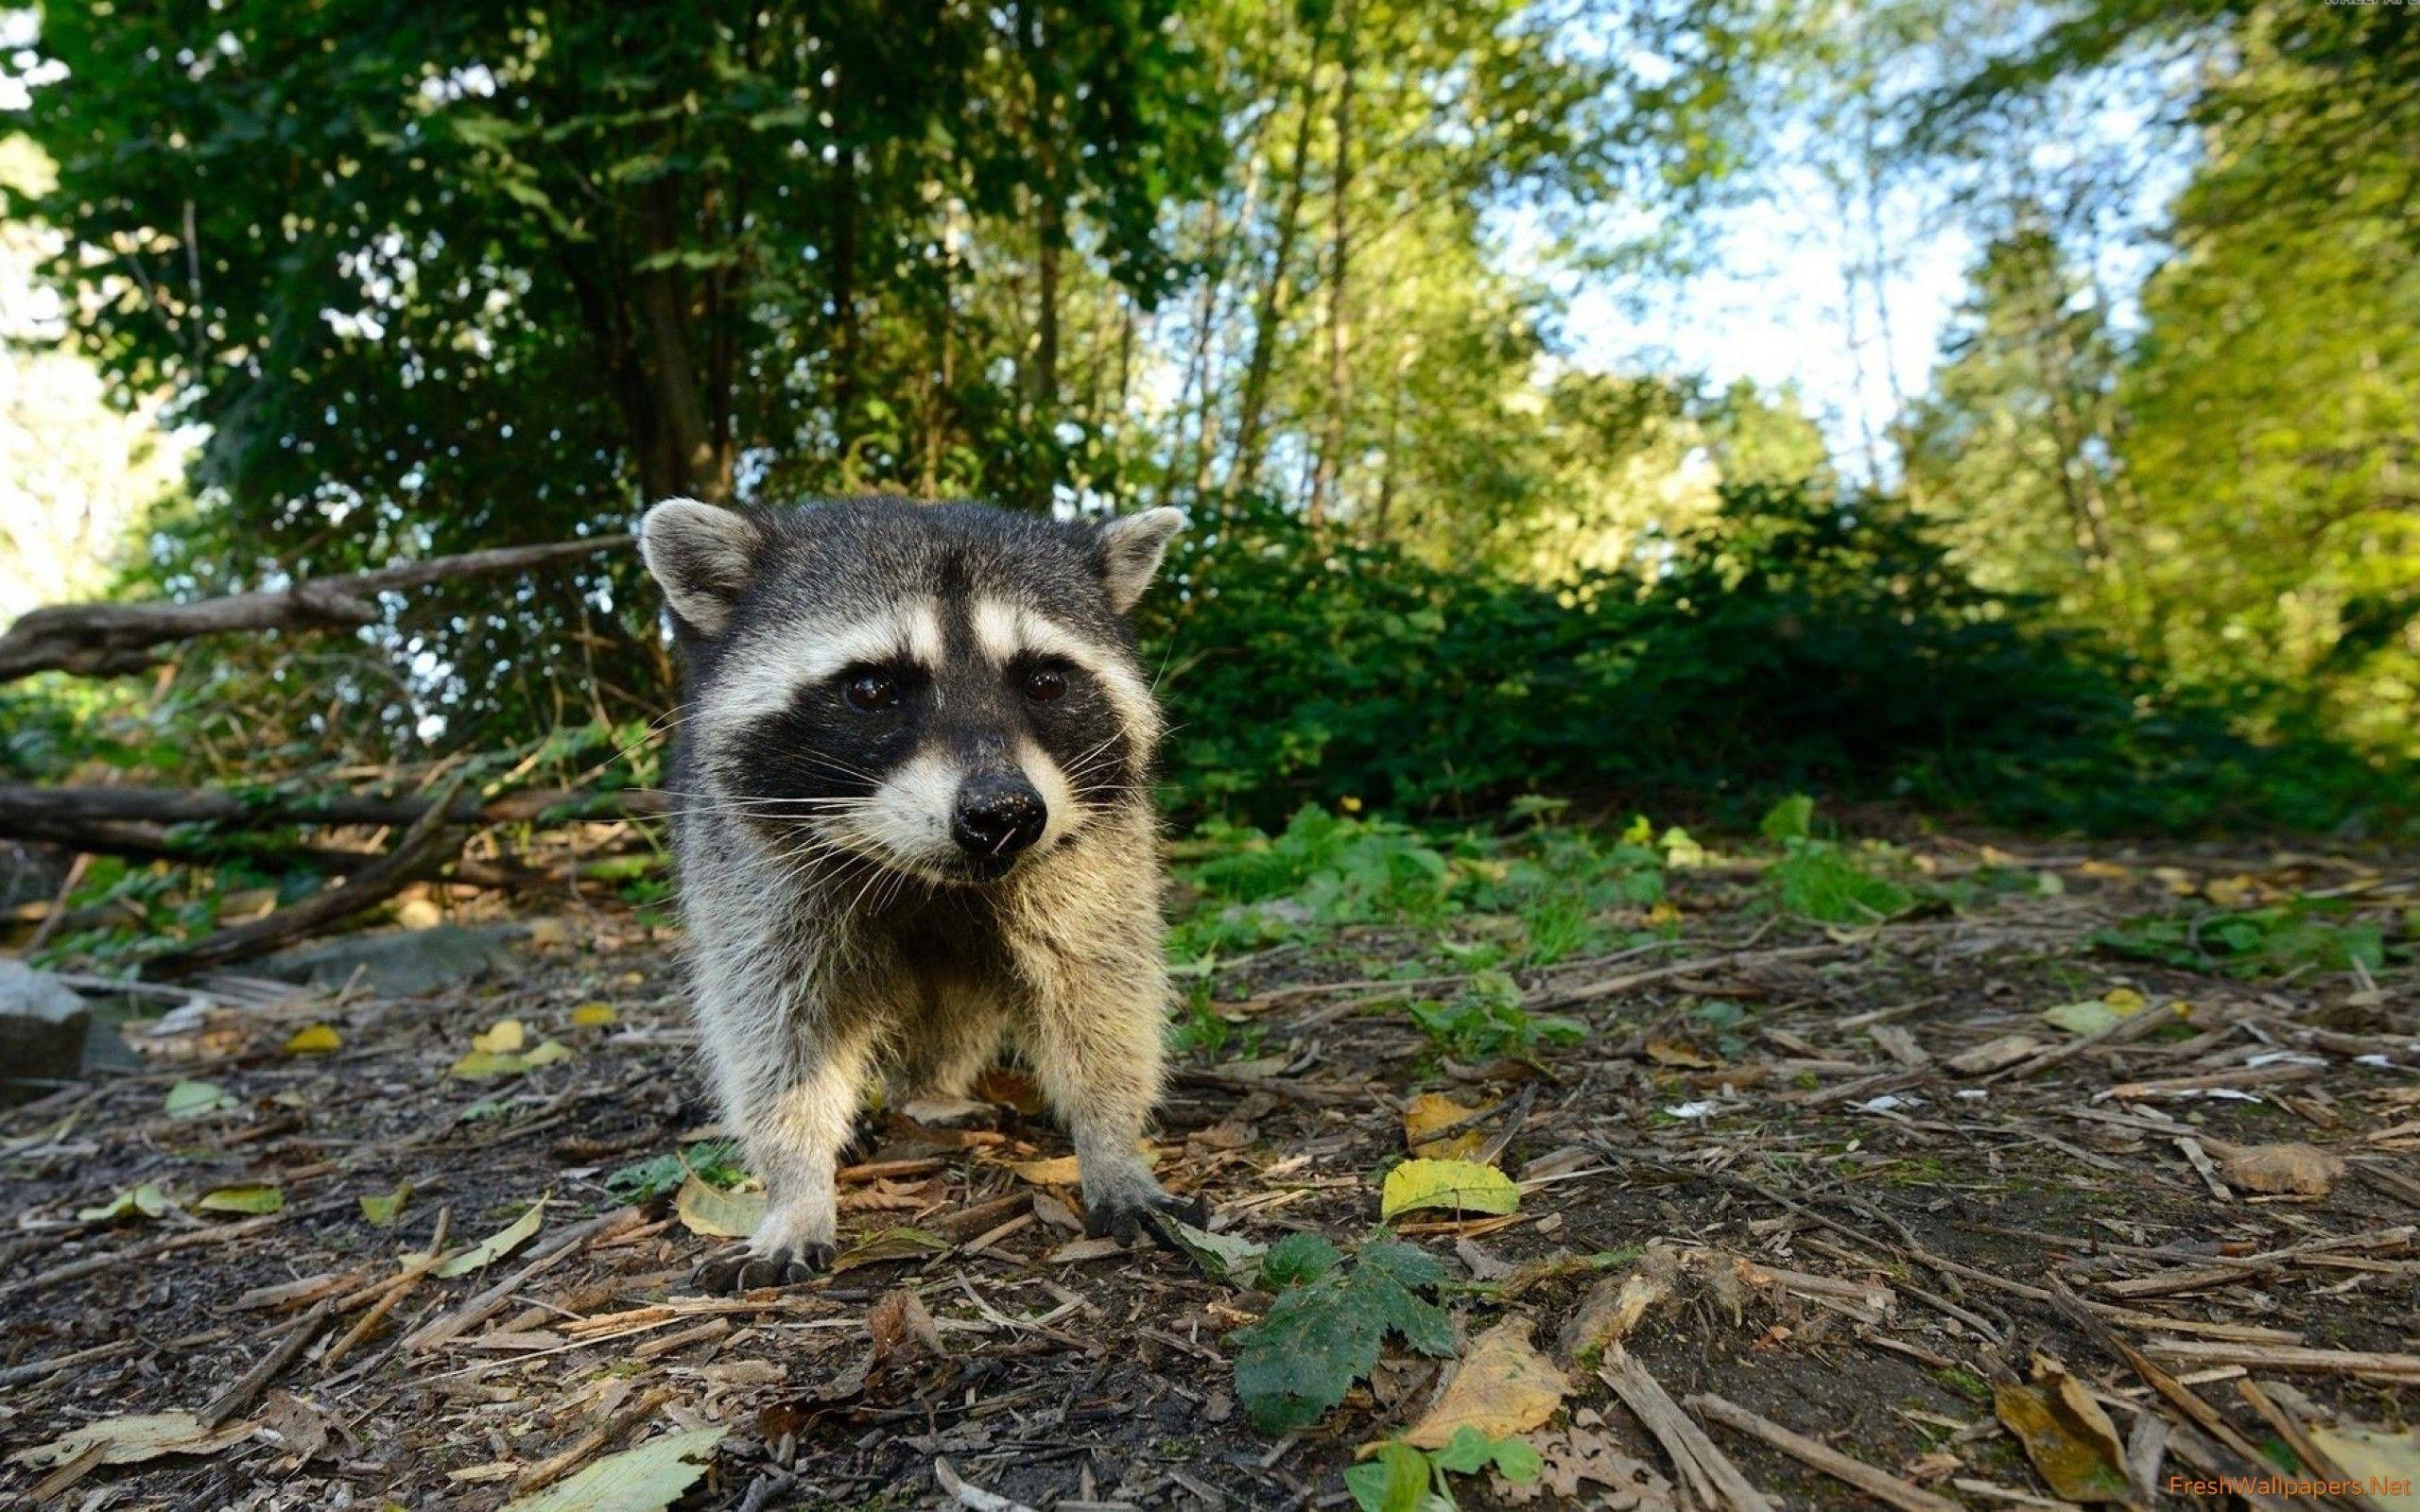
(1849, 1204)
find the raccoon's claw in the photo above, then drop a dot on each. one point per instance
(744, 1272)
(1127, 1219)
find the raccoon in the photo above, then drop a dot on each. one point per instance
(913, 829)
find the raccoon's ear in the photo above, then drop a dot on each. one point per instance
(1131, 548)
(703, 555)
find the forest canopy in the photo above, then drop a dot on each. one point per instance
(2141, 548)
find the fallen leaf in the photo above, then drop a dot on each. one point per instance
(2066, 1433)
(503, 1039)
(593, 1016)
(312, 1039)
(1011, 1088)
(547, 1054)
(898, 1321)
(547, 933)
(1505, 1386)
(1992, 1054)
(2097, 1015)
(481, 1064)
(133, 1439)
(498, 1244)
(2305, 1168)
(382, 1212)
(711, 1212)
(1222, 1257)
(1060, 1172)
(646, 1479)
(1465, 1186)
(1592, 1456)
(197, 1099)
(144, 1201)
(889, 1244)
(1425, 1115)
(1614, 1305)
(2374, 1457)
(1675, 1053)
(1076, 1251)
(256, 1197)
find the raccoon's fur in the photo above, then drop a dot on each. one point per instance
(913, 828)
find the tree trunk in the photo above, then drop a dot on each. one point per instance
(1269, 309)
(1326, 481)
(702, 467)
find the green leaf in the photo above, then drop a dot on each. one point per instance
(197, 1099)
(1325, 1332)
(1465, 1186)
(1787, 820)
(1296, 1259)
(382, 1212)
(1396, 1481)
(144, 1201)
(1817, 882)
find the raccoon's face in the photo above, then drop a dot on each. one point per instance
(946, 690)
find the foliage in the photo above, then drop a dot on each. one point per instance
(1799, 640)
(713, 1162)
(1816, 878)
(2272, 941)
(1402, 1478)
(1487, 1021)
(1328, 1323)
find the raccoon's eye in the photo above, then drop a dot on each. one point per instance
(872, 693)
(1043, 684)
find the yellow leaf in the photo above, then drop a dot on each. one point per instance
(498, 1244)
(1465, 1186)
(1426, 1114)
(312, 1039)
(710, 1211)
(547, 1054)
(1675, 1053)
(646, 1479)
(2066, 1433)
(503, 1039)
(1058, 1173)
(1665, 912)
(481, 1064)
(1504, 1387)
(2375, 1458)
(593, 1016)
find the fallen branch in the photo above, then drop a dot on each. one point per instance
(110, 640)
(1879, 1484)
(65, 814)
(426, 846)
(1705, 1469)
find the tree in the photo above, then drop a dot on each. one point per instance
(469, 275)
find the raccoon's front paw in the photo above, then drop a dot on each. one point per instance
(746, 1271)
(790, 1248)
(1125, 1217)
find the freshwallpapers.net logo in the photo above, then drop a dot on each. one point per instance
(2287, 1486)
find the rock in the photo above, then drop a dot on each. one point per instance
(394, 963)
(43, 1026)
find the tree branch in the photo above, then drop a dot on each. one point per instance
(108, 640)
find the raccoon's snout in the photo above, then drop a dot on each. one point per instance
(996, 817)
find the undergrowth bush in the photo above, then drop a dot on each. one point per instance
(1797, 643)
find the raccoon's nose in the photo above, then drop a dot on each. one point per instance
(997, 816)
